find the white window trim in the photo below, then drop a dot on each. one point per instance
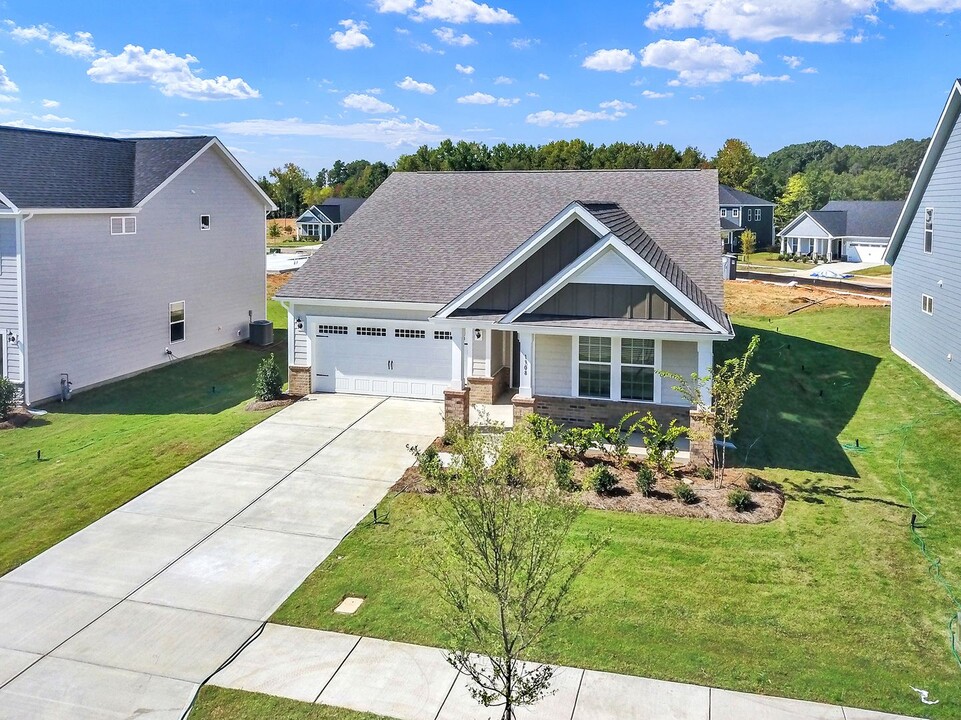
(735, 212)
(575, 379)
(653, 367)
(927, 304)
(170, 322)
(927, 247)
(615, 371)
(125, 226)
(202, 227)
(724, 212)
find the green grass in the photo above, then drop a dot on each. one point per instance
(768, 260)
(214, 703)
(831, 602)
(109, 444)
(278, 243)
(277, 314)
(876, 271)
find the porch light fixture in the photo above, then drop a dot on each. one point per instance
(478, 334)
(11, 338)
(299, 324)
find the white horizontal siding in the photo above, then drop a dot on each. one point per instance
(611, 269)
(677, 357)
(301, 348)
(552, 365)
(807, 229)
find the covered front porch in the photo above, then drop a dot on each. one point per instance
(826, 247)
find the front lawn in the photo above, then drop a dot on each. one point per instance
(876, 271)
(214, 703)
(831, 602)
(110, 444)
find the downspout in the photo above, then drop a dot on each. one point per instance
(22, 307)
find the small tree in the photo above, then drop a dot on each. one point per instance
(729, 383)
(273, 230)
(748, 244)
(506, 571)
(269, 383)
(7, 393)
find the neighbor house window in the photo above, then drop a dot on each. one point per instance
(928, 229)
(126, 225)
(637, 369)
(205, 222)
(594, 367)
(735, 213)
(927, 304)
(178, 327)
(723, 212)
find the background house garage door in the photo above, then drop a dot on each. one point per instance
(377, 358)
(865, 252)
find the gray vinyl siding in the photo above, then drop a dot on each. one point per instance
(9, 298)
(681, 358)
(928, 340)
(552, 365)
(97, 304)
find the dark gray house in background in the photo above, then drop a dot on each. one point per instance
(741, 211)
(925, 251)
(322, 221)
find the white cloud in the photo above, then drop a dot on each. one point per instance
(858, 39)
(532, 94)
(367, 104)
(6, 84)
(792, 61)
(464, 69)
(523, 43)
(373, 91)
(610, 60)
(52, 118)
(919, 6)
(543, 76)
(408, 83)
(391, 132)
(651, 95)
(8, 98)
(805, 20)
(660, 122)
(810, 71)
(169, 73)
(450, 37)
(426, 48)
(610, 110)
(452, 11)
(697, 97)
(401, 31)
(79, 45)
(50, 103)
(618, 105)
(352, 36)
(479, 98)
(758, 78)
(698, 62)
(503, 80)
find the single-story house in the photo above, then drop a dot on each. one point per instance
(851, 230)
(571, 289)
(925, 252)
(120, 255)
(742, 211)
(322, 221)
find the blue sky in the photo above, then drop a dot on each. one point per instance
(313, 82)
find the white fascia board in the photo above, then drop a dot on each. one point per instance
(612, 242)
(81, 211)
(359, 303)
(574, 211)
(949, 116)
(543, 329)
(9, 203)
(797, 221)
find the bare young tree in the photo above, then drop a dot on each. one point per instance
(506, 570)
(729, 383)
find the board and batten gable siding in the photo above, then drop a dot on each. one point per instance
(553, 355)
(928, 340)
(97, 305)
(9, 298)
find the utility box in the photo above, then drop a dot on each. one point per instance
(729, 266)
(261, 333)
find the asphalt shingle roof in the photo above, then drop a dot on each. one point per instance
(426, 237)
(42, 169)
(729, 196)
(866, 218)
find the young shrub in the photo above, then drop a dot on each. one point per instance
(755, 483)
(685, 493)
(7, 392)
(273, 230)
(430, 467)
(269, 383)
(706, 472)
(645, 481)
(739, 499)
(564, 475)
(600, 479)
(578, 440)
(542, 428)
(660, 442)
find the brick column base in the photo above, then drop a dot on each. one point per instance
(456, 408)
(299, 379)
(523, 407)
(701, 439)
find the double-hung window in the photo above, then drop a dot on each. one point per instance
(735, 213)
(637, 369)
(928, 229)
(123, 225)
(723, 212)
(178, 323)
(927, 304)
(594, 367)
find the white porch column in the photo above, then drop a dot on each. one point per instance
(705, 364)
(783, 245)
(526, 384)
(458, 336)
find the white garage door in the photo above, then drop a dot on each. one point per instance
(865, 252)
(373, 357)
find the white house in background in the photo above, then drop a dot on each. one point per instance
(574, 288)
(852, 230)
(322, 221)
(120, 255)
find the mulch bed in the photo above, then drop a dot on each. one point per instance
(283, 401)
(15, 419)
(766, 505)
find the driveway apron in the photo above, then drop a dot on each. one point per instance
(128, 616)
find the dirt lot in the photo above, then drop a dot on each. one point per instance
(756, 298)
(275, 281)
(288, 226)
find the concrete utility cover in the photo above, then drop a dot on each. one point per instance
(349, 605)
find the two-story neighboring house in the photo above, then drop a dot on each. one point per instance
(120, 255)
(925, 251)
(741, 211)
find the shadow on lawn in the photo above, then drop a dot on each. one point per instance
(807, 394)
(202, 385)
(814, 490)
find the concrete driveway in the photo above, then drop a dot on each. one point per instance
(128, 616)
(841, 268)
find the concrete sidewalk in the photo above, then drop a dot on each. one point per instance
(128, 616)
(412, 682)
